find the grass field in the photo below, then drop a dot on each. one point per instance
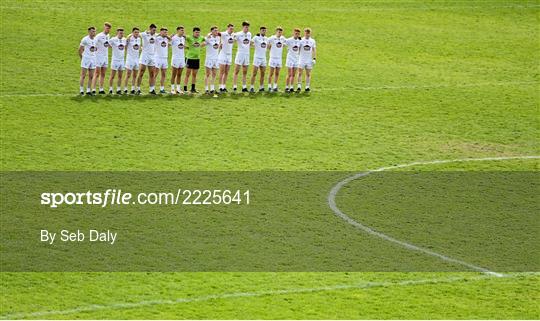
(395, 83)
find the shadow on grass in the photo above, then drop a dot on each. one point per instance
(202, 96)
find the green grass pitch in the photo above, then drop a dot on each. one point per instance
(395, 82)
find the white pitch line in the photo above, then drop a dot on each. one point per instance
(358, 88)
(335, 190)
(337, 287)
(399, 87)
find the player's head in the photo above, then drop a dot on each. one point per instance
(296, 32)
(163, 31)
(196, 32)
(107, 27)
(262, 30)
(245, 26)
(120, 32)
(92, 31)
(152, 28)
(214, 30)
(307, 32)
(135, 32)
(180, 30)
(230, 28)
(279, 31)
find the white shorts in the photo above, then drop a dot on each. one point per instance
(225, 59)
(306, 64)
(275, 62)
(259, 62)
(291, 63)
(101, 61)
(211, 63)
(147, 60)
(162, 63)
(88, 63)
(178, 63)
(132, 64)
(242, 59)
(118, 65)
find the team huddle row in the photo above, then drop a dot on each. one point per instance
(149, 50)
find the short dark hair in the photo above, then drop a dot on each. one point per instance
(91, 28)
(245, 23)
(120, 29)
(179, 27)
(230, 25)
(152, 26)
(262, 27)
(213, 28)
(163, 29)
(135, 28)
(196, 29)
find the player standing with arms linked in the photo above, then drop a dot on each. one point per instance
(162, 57)
(87, 53)
(308, 57)
(243, 39)
(194, 44)
(211, 61)
(148, 59)
(225, 56)
(118, 45)
(260, 42)
(293, 45)
(178, 62)
(102, 57)
(133, 44)
(275, 45)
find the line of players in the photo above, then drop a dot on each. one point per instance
(149, 50)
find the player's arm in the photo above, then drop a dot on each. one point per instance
(314, 54)
(81, 50)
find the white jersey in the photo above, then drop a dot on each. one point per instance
(102, 40)
(212, 47)
(261, 45)
(293, 46)
(306, 49)
(149, 43)
(90, 48)
(276, 51)
(162, 47)
(118, 46)
(227, 42)
(134, 46)
(244, 41)
(178, 44)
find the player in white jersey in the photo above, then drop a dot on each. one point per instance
(243, 39)
(275, 45)
(133, 43)
(102, 56)
(148, 59)
(162, 56)
(225, 56)
(308, 57)
(118, 45)
(178, 62)
(260, 42)
(293, 50)
(213, 41)
(87, 53)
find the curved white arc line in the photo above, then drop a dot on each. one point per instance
(335, 190)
